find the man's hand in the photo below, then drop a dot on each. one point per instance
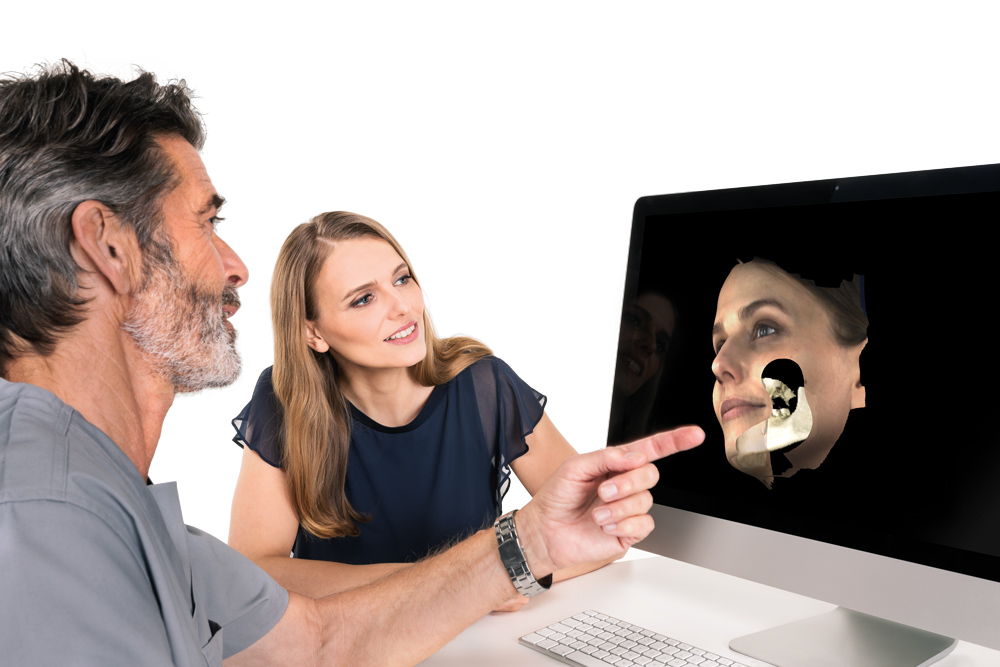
(596, 504)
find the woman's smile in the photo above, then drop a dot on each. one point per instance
(404, 335)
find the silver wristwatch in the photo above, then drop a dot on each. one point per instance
(512, 555)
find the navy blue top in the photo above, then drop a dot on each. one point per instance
(424, 485)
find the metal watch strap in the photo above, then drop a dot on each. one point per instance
(512, 555)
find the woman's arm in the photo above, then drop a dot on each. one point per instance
(547, 449)
(263, 526)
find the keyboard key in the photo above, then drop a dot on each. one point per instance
(586, 660)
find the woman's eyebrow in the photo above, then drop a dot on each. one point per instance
(747, 311)
(371, 283)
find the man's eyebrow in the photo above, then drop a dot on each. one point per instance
(747, 311)
(370, 283)
(216, 201)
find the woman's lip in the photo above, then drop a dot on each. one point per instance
(737, 407)
(406, 339)
(630, 361)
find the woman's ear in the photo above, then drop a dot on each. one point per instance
(108, 247)
(858, 391)
(315, 340)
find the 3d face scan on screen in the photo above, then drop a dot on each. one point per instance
(832, 447)
(787, 368)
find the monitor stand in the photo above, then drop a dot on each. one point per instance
(842, 638)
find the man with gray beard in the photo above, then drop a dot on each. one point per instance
(115, 294)
(182, 328)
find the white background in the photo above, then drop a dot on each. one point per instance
(505, 145)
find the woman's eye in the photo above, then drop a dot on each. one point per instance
(363, 301)
(762, 330)
(402, 280)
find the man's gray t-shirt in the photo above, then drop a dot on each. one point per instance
(98, 568)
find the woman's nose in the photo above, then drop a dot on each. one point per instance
(728, 364)
(643, 339)
(400, 304)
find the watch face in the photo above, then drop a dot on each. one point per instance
(510, 553)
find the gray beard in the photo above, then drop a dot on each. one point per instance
(180, 330)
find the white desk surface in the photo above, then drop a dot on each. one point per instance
(694, 605)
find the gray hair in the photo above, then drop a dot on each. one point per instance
(68, 136)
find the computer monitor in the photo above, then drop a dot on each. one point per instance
(897, 516)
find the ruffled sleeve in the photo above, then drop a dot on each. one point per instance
(258, 425)
(509, 410)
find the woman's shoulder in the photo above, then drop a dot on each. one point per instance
(264, 381)
(487, 367)
(491, 372)
(260, 421)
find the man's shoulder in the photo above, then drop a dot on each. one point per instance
(33, 440)
(49, 452)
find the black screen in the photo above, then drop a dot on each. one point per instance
(916, 472)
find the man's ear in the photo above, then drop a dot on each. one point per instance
(315, 340)
(110, 247)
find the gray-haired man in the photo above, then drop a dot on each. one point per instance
(116, 293)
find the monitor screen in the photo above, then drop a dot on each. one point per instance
(832, 338)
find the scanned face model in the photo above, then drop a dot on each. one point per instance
(783, 382)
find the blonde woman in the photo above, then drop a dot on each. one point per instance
(371, 442)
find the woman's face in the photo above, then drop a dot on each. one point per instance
(647, 327)
(764, 314)
(369, 311)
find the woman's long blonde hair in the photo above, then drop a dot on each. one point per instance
(316, 434)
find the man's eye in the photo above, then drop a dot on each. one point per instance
(363, 301)
(718, 347)
(215, 220)
(762, 330)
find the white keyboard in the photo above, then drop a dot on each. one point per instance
(591, 639)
